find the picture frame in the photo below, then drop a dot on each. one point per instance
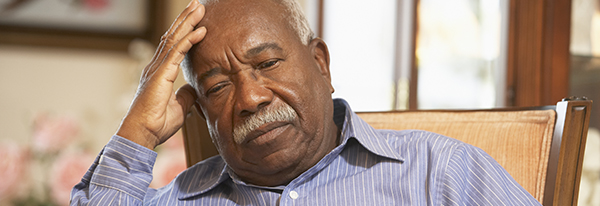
(87, 24)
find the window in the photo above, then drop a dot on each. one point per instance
(361, 39)
(460, 61)
(460, 57)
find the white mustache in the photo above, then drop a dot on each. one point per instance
(282, 113)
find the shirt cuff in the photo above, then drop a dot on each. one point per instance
(125, 166)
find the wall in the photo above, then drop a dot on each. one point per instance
(91, 86)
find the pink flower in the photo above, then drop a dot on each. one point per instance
(14, 161)
(50, 135)
(96, 4)
(67, 171)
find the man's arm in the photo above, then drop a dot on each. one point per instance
(475, 178)
(123, 170)
(120, 175)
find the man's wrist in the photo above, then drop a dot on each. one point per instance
(125, 161)
(137, 134)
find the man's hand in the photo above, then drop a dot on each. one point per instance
(157, 112)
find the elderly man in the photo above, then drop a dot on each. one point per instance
(262, 82)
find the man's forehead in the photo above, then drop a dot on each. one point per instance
(241, 29)
(244, 19)
(244, 25)
(243, 45)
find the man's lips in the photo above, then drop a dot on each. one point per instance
(265, 132)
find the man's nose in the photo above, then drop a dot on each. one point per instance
(251, 95)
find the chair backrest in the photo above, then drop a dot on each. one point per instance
(541, 147)
(518, 140)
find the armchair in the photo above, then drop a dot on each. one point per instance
(541, 147)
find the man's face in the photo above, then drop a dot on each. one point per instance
(252, 64)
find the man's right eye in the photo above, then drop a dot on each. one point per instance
(215, 89)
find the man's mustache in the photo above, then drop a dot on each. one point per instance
(281, 113)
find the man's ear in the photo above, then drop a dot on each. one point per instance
(321, 54)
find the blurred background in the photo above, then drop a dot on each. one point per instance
(69, 70)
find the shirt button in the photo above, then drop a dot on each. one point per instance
(294, 195)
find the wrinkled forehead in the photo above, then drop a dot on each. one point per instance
(236, 26)
(234, 21)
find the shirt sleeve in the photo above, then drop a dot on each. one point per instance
(475, 178)
(120, 175)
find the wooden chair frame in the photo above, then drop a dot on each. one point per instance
(566, 153)
(564, 164)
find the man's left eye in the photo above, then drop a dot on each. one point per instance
(269, 64)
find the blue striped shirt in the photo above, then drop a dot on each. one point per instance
(369, 167)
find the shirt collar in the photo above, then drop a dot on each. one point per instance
(355, 127)
(352, 127)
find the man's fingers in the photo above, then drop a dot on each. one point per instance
(185, 24)
(160, 51)
(180, 31)
(186, 96)
(180, 18)
(154, 61)
(159, 83)
(189, 23)
(177, 53)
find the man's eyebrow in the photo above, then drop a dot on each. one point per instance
(209, 73)
(264, 46)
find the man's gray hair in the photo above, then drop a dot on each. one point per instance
(296, 19)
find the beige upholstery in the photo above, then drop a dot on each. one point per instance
(518, 140)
